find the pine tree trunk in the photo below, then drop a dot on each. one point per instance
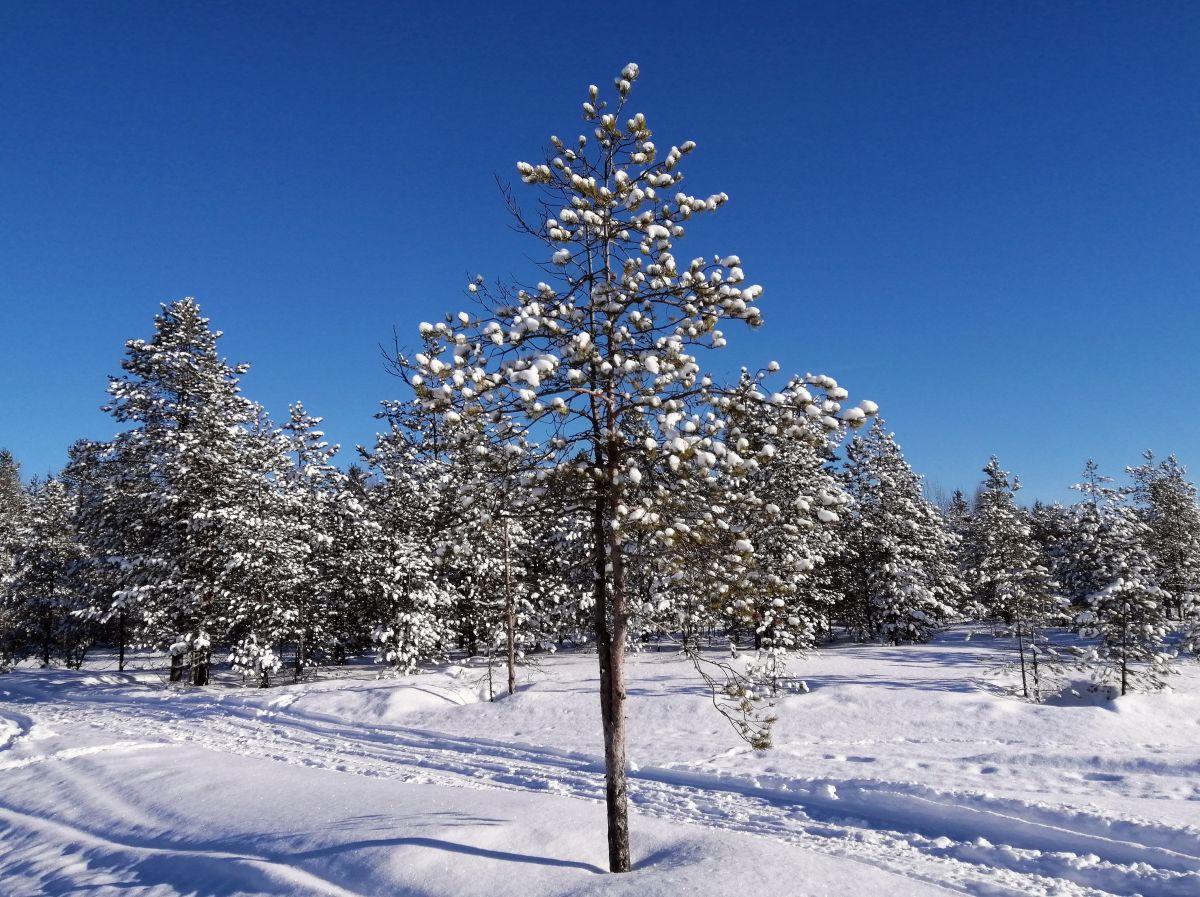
(1037, 678)
(121, 641)
(47, 629)
(510, 616)
(1021, 651)
(176, 668)
(200, 668)
(1124, 649)
(610, 648)
(300, 651)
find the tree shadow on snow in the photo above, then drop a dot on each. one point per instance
(921, 659)
(449, 846)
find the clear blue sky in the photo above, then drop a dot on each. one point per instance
(984, 216)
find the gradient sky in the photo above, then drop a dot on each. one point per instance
(984, 216)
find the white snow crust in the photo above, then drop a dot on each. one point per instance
(902, 771)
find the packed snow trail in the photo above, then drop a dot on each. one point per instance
(967, 842)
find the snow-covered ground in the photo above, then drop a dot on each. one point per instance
(904, 771)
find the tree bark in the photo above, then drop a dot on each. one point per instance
(610, 644)
(301, 643)
(510, 616)
(47, 630)
(121, 640)
(1021, 651)
(200, 668)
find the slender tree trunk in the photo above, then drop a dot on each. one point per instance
(1125, 649)
(301, 641)
(121, 640)
(200, 668)
(619, 858)
(612, 692)
(1037, 678)
(491, 685)
(47, 630)
(510, 615)
(1021, 651)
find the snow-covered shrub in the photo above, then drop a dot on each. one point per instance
(258, 660)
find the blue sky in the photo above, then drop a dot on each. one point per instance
(984, 216)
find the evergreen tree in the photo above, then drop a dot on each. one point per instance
(90, 473)
(905, 578)
(41, 592)
(12, 508)
(790, 509)
(265, 546)
(1079, 556)
(410, 604)
(601, 361)
(1050, 528)
(1008, 574)
(179, 476)
(314, 501)
(958, 513)
(1128, 612)
(12, 511)
(1169, 510)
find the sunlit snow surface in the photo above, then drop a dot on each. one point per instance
(904, 771)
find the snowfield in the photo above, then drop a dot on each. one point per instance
(904, 771)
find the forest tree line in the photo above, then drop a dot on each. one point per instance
(208, 531)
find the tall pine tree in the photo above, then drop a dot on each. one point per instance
(1007, 572)
(600, 361)
(904, 579)
(180, 475)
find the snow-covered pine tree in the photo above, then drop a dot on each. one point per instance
(1128, 613)
(314, 495)
(12, 511)
(1052, 528)
(563, 544)
(609, 339)
(412, 506)
(176, 475)
(1169, 510)
(41, 591)
(489, 552)
(99, 574)
(12, 507)
(359, 569)
(791, 513)
(1007, 572)
(266, 548)
(1078, 558)
(905, 578)
(957, 513)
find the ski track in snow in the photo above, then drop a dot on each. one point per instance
(961, 841)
